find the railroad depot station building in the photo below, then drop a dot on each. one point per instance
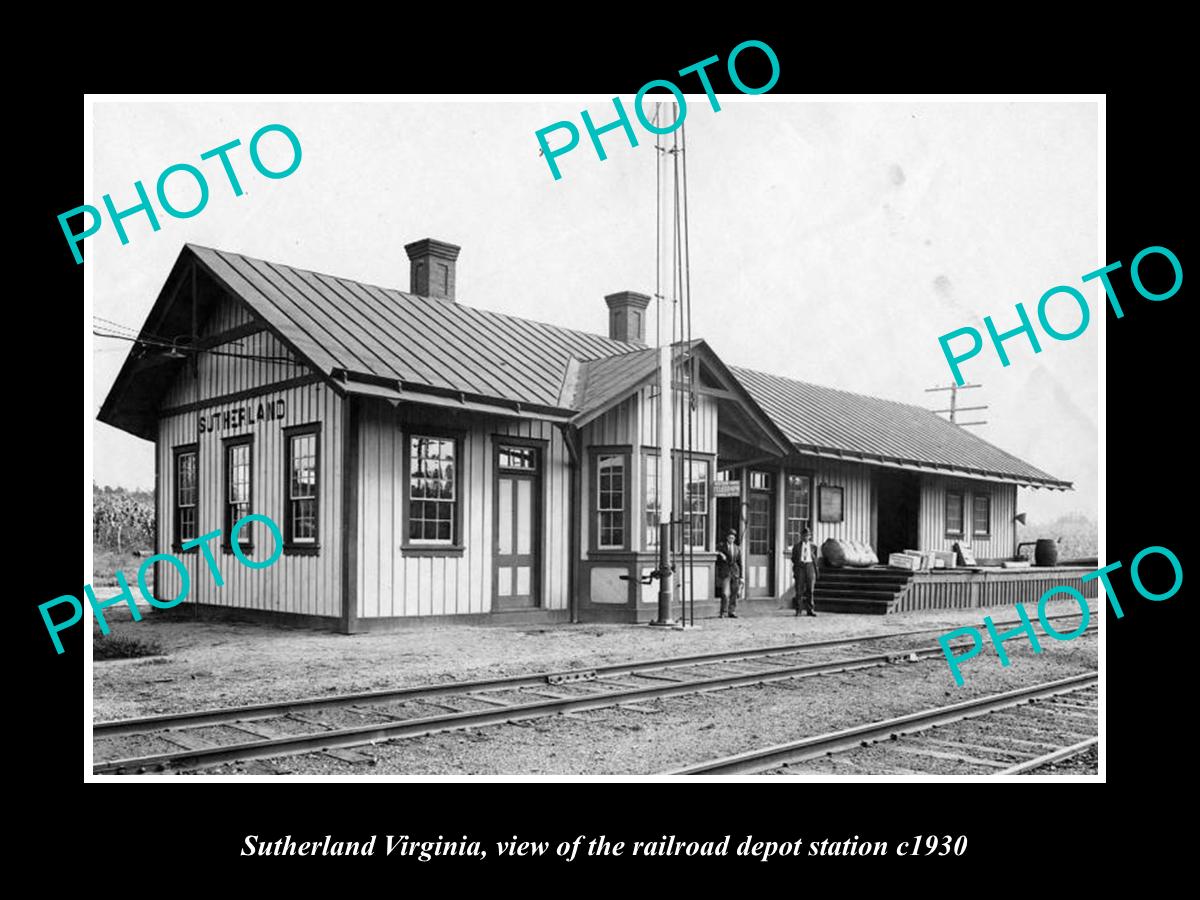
(424, 458)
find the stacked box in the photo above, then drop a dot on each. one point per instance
(926, 558)
(909, 561)
(948, 558)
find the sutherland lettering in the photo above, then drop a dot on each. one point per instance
(241, 416)
(285, 846)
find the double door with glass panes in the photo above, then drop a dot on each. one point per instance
(517, 543)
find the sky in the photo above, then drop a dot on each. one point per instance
(830, 242)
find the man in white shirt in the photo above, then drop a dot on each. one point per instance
(804, 571)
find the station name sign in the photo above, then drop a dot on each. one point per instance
(251, 413)
(727, 489)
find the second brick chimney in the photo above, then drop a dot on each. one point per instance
(627, 316)
(431, 268)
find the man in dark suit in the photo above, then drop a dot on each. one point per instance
(804, 571)
(729, 573)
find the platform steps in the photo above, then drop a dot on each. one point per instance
(848, 590)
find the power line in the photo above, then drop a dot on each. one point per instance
(150, 342)
(143, 335)
(117, 325)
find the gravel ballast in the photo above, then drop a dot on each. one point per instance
(224, 664)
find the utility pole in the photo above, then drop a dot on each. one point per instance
(954, 407)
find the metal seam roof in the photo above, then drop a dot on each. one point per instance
(841, 422)
(342, 324)
(345, 324)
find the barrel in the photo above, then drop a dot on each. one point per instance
(1046, 552)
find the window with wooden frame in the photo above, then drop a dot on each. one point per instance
(954, 514)
(650, 505)
(758, 522)
(695, 504)
(523, 459)
(239, 459)
(609, 501)
(302, 489)
(797, 500)
(433, 491)
(695, 501)
(186, 502)
(831, 502)
(981, 515)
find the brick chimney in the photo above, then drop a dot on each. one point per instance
(431, 268)
(627, 316)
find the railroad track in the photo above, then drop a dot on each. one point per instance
(211, 737)
(975, 734)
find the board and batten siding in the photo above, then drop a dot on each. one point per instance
(858, 495)
(300, 584)
(704, 421)
(858, 501)
(932, 528)
(633, 423)
(218, 375)
(394, 582)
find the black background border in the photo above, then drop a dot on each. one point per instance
(1148, 447)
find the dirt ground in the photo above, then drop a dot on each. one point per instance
(208, 664)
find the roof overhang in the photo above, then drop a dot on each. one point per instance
(930, 468)
(393, 391)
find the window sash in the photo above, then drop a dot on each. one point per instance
(758, 523)
(696, 500)
(238, 488)
(520, 458)
(797, 506)
(303, 487)
(696, 504)
(650, 495)
(954, 513)
(610, 501)
(981, 526)
(433, 489)
(186, 495)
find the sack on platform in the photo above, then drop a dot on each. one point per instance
(834, 554)
(863, 554)
(839, 553)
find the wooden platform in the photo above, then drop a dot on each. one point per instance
(881, 589)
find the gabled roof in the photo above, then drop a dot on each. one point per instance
(386, 343)
(342, 325)
(602, 383)
(365, 339)
(828, 422)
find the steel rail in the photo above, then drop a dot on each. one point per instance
(286, 745)
(755, 761)
(225, 715)
(1052, 757)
